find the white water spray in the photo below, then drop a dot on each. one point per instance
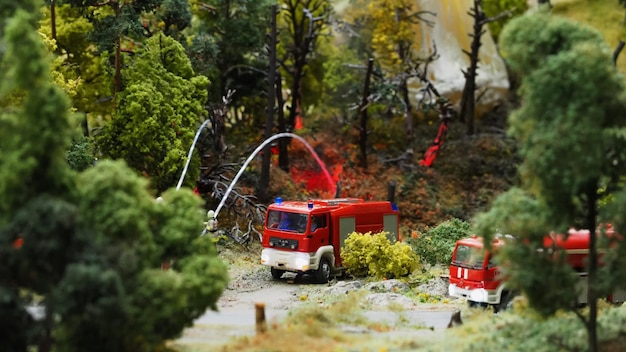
(193, 145)
(258, 149)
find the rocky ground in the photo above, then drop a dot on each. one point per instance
(405, 311)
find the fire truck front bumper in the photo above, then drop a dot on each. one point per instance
(479, 295)
(284, 260)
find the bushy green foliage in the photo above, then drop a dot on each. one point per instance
(89, 246)
(436, 246)
(570, 128)
(374, 255)
(567, 142)
(158, 114)
(523, 330)
(80, 155)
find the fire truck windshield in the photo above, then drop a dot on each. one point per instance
(469, 257)
(286, 221)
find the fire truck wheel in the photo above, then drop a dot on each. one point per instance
(277, 273)
(506, 302)
(322, 275)
(473, 304)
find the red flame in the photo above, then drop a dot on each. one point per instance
(316, 180)
(18, 243)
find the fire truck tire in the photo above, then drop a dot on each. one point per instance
(506, 302)
(277, 273)
(322, 275)
(473, 304)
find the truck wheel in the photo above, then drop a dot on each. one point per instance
(277, 273)
(474, 304)
(506, 302)
(322, 275)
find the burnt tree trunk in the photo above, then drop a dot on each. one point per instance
(222, 62)
(283, 143)
(408, 118)
(305, 21)
(264, 180)
(592, 266)
(53, 22)
(618, 51)
(468, 98)
(363, 132)
(117, 78)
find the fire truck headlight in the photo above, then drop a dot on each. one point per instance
(478, 295)
(302, 262)
(452, 290)
(265, 258)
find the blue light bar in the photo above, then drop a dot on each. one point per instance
(279, 200)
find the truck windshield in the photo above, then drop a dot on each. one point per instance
(469, 257)
(286, 221)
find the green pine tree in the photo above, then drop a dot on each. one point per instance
(158, 114)
(87, 247)
(570, 127)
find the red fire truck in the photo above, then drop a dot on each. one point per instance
(475, 276)
(307, 237)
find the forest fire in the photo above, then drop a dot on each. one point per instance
(315, 179)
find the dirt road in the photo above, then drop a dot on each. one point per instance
(236, 314)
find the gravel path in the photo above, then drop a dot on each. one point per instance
(252, 283)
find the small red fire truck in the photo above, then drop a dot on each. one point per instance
(307, 237)
(475, 276)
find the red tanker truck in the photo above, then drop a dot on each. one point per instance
(307, 236)
(475, 276)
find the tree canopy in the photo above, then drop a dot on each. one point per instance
(158, 114)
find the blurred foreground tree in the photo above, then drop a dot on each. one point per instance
(572, 133)
(87, 248)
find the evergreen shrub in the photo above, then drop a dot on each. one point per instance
(436, 246)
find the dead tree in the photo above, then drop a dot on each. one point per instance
(468, 98)
(544, 2)
(406, 54)
(430, 98)
(617, 51)
(418, 69)
(216, 176)
(264, 180)
(305, 21)
(363, 132)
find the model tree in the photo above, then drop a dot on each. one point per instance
(158, 114)
(570, 127)
(87, 247)
(303, 23)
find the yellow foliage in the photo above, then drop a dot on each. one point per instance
(393, 30)
(374, 255)
(70, 86)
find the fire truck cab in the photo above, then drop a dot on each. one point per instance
(474, 274)
(307, 237)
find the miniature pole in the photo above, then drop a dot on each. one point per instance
(261, 323)
(391, 192)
